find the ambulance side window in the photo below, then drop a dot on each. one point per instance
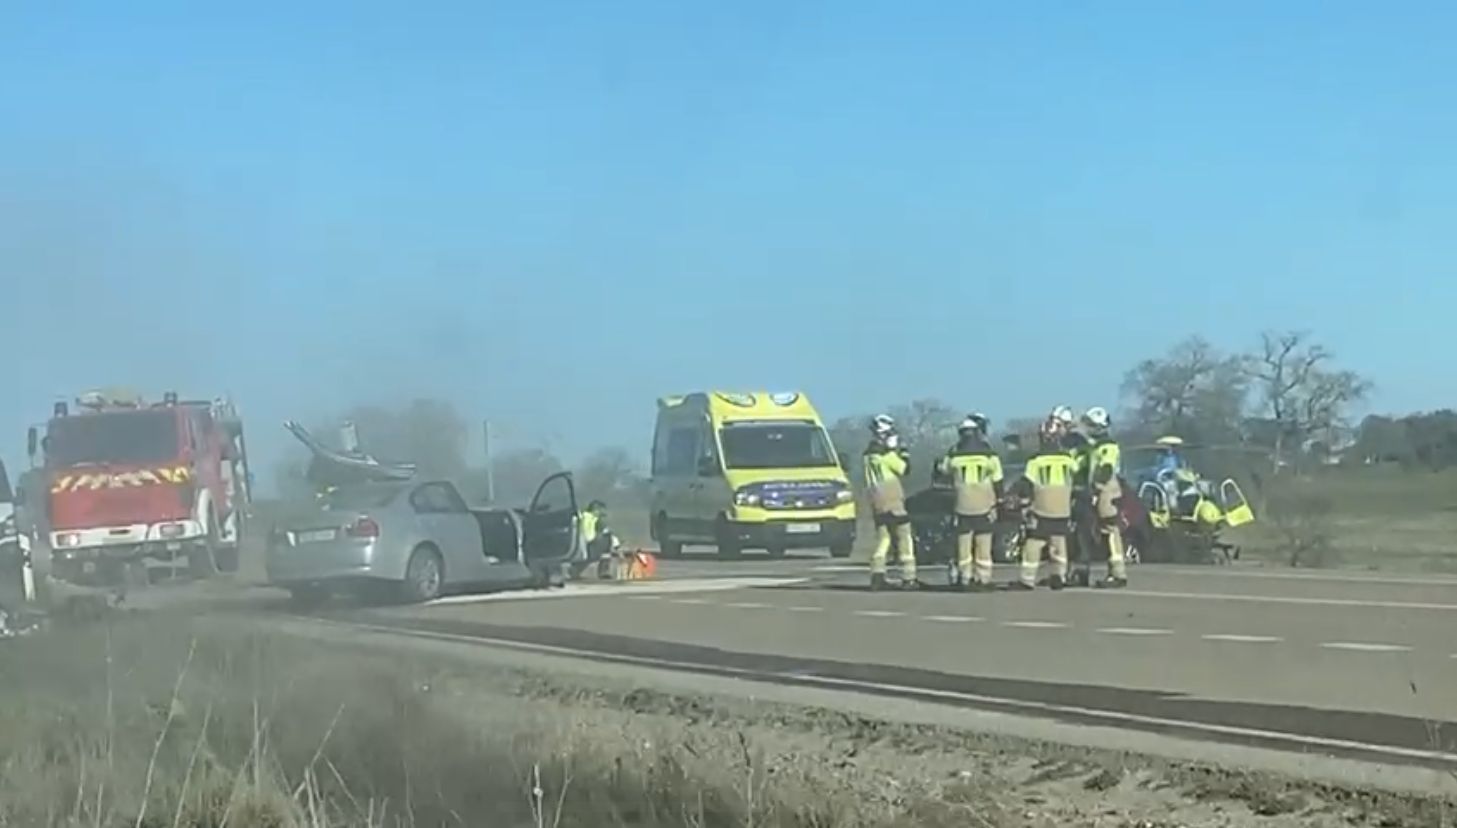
(682, 456)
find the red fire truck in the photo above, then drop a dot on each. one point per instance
(130, 482)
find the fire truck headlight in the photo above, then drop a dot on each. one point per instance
(67, 540)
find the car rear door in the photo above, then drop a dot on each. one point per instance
(549, 531)
(448, 522)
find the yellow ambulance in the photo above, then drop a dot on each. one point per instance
(748, 470)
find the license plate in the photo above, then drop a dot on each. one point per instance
(802, 528)
(317, 535)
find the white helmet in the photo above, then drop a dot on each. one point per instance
(882, 425)
(975, 421)
(1062, 414)
(1097, 418)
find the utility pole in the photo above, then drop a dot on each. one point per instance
(486, 450)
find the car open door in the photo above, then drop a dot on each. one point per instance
(1156, 500)
(549, 530)
(1237, 511)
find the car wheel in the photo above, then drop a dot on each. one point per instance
(841, 550)
(424, 576)
(307, 597)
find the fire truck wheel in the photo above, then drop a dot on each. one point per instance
(200, 561)
(135, 575)
(227, 559)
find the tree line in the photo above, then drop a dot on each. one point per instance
(1285, 400)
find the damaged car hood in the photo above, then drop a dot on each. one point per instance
(329, 467)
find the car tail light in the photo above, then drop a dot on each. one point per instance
(363, 528)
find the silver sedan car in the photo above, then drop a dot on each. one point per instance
(418, 539)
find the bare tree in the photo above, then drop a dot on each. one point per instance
(1300, 393)
(606, 473)
(1193, 390)
(926, 422)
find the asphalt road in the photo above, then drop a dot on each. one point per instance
(1332, 663)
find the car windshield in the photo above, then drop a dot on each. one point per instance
(791, 445)
(361, 496)
(129, 438)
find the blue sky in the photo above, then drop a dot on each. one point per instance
(552, 213)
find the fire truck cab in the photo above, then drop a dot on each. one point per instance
(129, 482)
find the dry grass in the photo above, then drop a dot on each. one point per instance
(140, 724)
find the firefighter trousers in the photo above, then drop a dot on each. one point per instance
(894, 529)
(1107, 506)
(1032, 548)
(974, 548)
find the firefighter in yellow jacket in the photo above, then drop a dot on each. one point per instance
(886, 465)
(976, 473)
(1046, 487)
(1100, 467)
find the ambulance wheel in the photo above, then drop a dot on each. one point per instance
(841, 550)
(728, 545)
(776, 551)
(667, 546)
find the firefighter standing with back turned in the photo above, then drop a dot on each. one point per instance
(1100, 465)
(886, 464)
(976, 472)
(1046, 487)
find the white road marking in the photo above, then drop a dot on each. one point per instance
(695, 601)
(885, 687)
(644, 597)
(1272, 599)
(805, 609)
(1354, 578)
(747, 605)
(1242, 639)
(880, 613)
(953, 619)
(1362, 647)
(1035, 625)
(622, 589)
(1134, 631)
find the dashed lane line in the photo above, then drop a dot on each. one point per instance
(747, 605)
(1035, 625)
(1275, 599)
(1242, 639)
(1365, 647)
(952, 619)
(1134, 631)
(805, 609)
(880, 613)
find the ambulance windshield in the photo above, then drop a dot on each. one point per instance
(775, 445)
